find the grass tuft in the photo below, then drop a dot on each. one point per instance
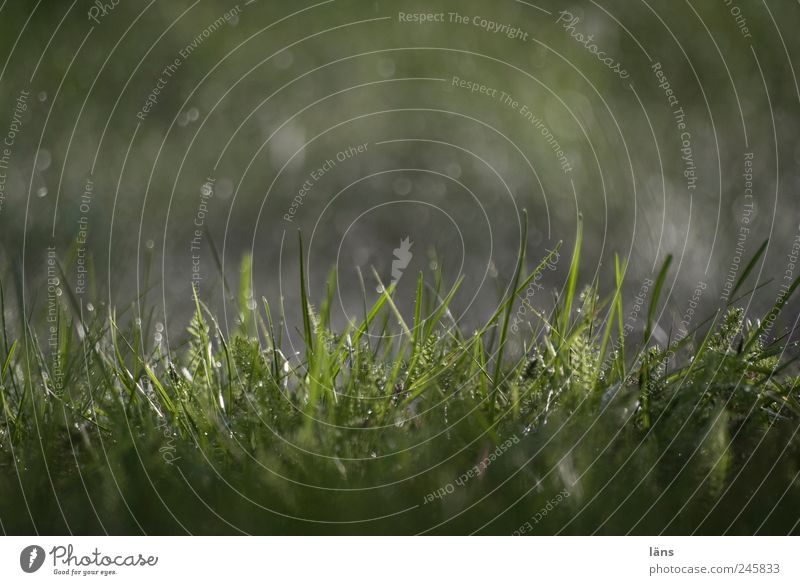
(355, 434)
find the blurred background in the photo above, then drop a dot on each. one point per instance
(154, 145)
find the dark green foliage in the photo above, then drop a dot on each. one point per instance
(227, 435)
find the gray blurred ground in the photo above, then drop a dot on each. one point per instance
(262, 102)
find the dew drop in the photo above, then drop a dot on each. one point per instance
(224, 188)
(284, 59)
(402, 186)
(453, 170)
(43, 160)
(386, 68)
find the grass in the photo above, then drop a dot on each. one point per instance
(418, 427)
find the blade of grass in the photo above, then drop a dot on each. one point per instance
(304, 301)
(748, 269)
(773, 313)
(572, 280)
(161, 392)
(651, 310)
(7, 363)
(611, 314)
(245, 293)
(387, 292)
(273, 344)
(507, 316)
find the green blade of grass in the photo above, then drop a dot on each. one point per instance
(619, 275)
(748, 269)
(773, 313)
(370, 316)
(304, 301)
(611, 314)
(327, 300)
(651, 310)
(245, 293)
(7, 363)
(387, 292)
(273, 343)
(444, 305)
(490, 323)
(572, 280)
(417, 323)
(507, 316)
(161, 392)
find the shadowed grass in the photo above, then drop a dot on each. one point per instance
(107, 432)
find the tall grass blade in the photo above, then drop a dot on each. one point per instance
(748, 269)
(507, 316)
(572, 280)
(651, 310)
(305, 308)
